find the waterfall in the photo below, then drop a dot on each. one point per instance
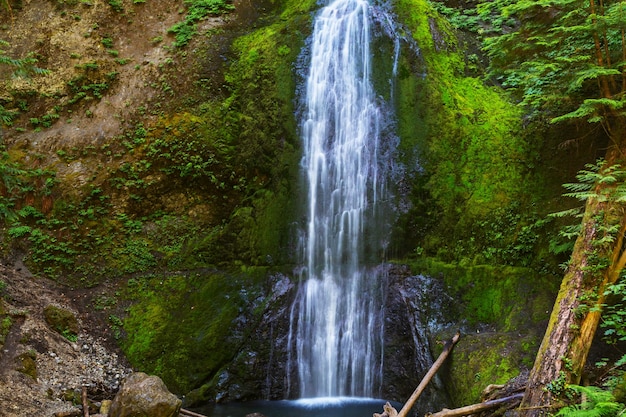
(337, 323)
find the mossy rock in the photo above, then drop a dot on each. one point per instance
(72, 396)
(62, 321)
(503, 297)
(503, 311)
(28, 364)
(185, 328)
(481, 359)
(202, 395)
(619, 392)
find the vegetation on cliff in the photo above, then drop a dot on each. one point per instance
(180, 192)
(195, 183)
(566, 68)
(582, 81)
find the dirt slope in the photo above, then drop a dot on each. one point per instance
(39, 368)
(41, 371)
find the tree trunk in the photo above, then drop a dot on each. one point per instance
(576, 312)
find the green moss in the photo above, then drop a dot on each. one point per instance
(506, 298)
(473, 154)
(5, 326)
(507, 306)
(482, 359)
(182, 328)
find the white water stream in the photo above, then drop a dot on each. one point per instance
(337, 320)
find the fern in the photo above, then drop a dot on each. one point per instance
(596, 402)
(612, 177)
(574, 212)
(21, 67)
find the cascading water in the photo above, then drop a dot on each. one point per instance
(337, 323)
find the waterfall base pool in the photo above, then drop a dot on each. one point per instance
(307, 407)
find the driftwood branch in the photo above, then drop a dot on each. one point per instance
(429, 375)
(184, 412)
(70, 413)
(388, 411)
(477, 408)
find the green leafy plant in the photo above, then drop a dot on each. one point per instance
(117, 5)
(107, 42)
(597, 173)
(614, 317)
(69, 335)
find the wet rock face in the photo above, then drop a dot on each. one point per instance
(413, 311)
(143, 395)
(262, 370)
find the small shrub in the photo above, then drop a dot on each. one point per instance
(116, 5)
(594, 402)
(107, 42)
(19, 231)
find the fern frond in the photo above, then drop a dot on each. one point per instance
(591, 109)
(570, 232)
(578, 186)
(576, 212)
(591, 73)
(597, 403)
(586, 195)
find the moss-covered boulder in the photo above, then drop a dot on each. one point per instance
(180, 327)
(213, 335)
(484, 358)
(502, 313)
(503, 298)
(62, 321)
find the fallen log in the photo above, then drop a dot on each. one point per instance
(184, 412)
(429, 375)
(477, 408)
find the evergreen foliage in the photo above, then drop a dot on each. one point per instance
(614, 318)
(565, 57)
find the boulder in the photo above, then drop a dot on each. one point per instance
(142, 395)
(61, 320)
